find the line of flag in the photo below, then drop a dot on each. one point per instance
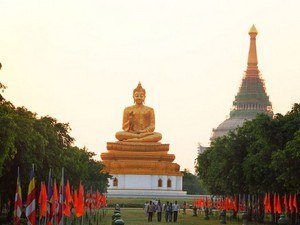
(278, 204)
(54, 203)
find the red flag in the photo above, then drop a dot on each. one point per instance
(59, 217)
(97, 199)
(295, 203)
(18, 202)
(30, 202)
(67, 209)
(80, 203)
(43, 200)
(266, 203)
(291, 203)
(269, 203)
(278, 207)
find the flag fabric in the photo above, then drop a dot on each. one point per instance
(18, 202)
(59, 217)
(278, 204)
(269, 202)
(295, 203)
(30, 203)
(266, 202)
(49, 197)
(43, 200)
(291, 203)
(68, 200)
(80, 203)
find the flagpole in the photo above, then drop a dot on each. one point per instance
(62, 194)
(48, 206)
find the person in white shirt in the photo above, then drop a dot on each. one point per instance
(175, 209)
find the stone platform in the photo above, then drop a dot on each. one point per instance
(142, 168)
(139, 158)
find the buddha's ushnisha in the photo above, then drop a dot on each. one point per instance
(138, 120)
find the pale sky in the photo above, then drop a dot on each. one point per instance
(78, 61)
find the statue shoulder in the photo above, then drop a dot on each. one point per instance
(129, 108)
(149, 108)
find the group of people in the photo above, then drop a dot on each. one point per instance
(169, 209)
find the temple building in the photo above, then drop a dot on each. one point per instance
(139, 164)
(251, 98)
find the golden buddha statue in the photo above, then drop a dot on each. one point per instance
(138, 120)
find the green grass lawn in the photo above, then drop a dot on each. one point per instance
(138, 217)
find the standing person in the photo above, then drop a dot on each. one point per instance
(150, 210)
(170, 212)
(146, 208)
(184, 208)
(167, 209)
(175, 210)
(159, 210)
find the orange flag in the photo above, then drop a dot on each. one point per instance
(43, 200)
(295, 203)
(54, 198)
(278, 207)
(67, 208)
(80, 203)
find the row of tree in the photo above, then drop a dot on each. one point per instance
(27, 139)
(261, 156)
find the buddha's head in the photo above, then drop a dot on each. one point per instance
(139, 94)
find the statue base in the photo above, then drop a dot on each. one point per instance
(142, 168)
(145, 185)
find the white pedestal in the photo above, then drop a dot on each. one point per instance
(145, 185)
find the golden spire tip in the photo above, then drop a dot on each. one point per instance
(253, 30)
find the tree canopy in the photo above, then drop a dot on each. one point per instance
(192, 184)
(261, 156)
(26, 139)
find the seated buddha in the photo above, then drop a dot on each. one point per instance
(138, 120)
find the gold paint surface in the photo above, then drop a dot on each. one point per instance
(138, 120)
(138, 150)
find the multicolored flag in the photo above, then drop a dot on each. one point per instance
(30, 203)
(18, 208)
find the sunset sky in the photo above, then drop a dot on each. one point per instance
(78, 61)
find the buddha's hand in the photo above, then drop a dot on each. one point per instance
(130, 117)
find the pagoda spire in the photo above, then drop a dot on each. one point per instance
(252, 68)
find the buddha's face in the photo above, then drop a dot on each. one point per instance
(139, 97)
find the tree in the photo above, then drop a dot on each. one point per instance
(261, 156)
(26, 139)
(192, 184)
